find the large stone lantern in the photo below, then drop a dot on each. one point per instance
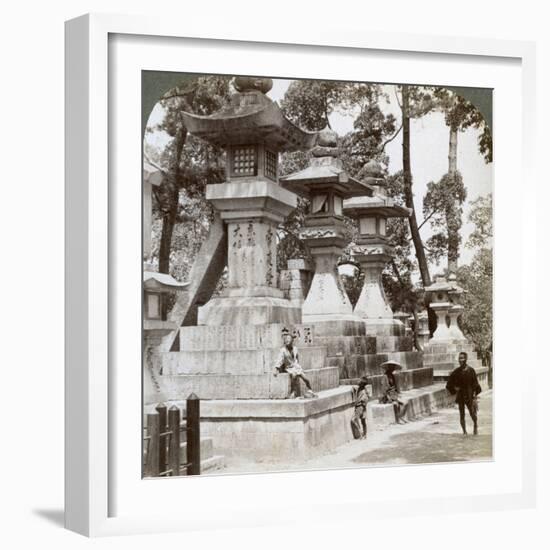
(253, 131)
(372, 250)
(326, 184)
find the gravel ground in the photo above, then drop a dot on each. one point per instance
(431, 439)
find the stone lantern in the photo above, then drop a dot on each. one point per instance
(444, 296)
(326, 184)
(373, 251)
(157, 287)
(456, 308)
(253, 131)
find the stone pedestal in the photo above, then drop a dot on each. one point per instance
(295, 280)
(372, 305)
(442, 332)
(454, 313)
(327, 299)
(251, 210)
(153, 333)
(423, 329)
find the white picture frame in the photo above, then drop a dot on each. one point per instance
(93, 393)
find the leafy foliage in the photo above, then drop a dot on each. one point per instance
(477, 318)
(188, 164)
(308, 103)
(461, 114)
(481, 215)
(477, 278)
(443, 207)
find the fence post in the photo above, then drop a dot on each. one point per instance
(193, 436)
(153, 431)
(174, 450)
(161, 409)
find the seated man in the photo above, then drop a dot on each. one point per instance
(391, 393)
(287, 361)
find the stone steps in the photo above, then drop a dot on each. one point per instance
(355, 366)
(451, 347)
(421, 401)
(393, 343)
(243, 386)
(236, 362)
(434, 358)
(406, 380)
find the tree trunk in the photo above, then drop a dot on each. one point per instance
(407, 181)
(453, 147)
(170, 207)
(452, 230)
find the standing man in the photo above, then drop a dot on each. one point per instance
(287, 361)
(359, 420)
(463, 383)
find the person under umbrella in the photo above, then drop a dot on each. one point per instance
(391, 393)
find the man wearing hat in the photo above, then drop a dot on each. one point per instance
(287, 361)
(391, 393)
(464, 384)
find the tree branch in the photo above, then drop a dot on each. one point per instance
(426, 219)
(397, 97)
(392, 138)
(152, 163)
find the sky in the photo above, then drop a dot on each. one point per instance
(429, 151)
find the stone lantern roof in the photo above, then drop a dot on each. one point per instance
(376, 205)
(161, 282)
(325, 171)
(251, 117)
(441, 284)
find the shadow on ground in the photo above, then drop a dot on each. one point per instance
(422, 448)
(57, 517)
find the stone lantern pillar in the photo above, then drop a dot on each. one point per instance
(327, 185)
(423, 328)
(456, 309)
(372, 250)
(252, 130)
(440, 303)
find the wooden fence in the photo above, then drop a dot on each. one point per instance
(163, 437)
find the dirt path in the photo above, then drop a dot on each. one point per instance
(432, 439)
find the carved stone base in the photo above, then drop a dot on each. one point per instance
(248, 311)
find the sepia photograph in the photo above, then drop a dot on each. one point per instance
(317, 274)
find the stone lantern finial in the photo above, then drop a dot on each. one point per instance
(245, 84)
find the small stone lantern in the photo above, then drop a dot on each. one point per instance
(156, 289)
(326, 184)
(440, 303)
(372, 250)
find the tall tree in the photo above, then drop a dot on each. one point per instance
(187, 163)
(308, 103)
(444, 200)
(415, 102)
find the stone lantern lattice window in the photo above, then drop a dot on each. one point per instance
(244, 161)
(271, 159)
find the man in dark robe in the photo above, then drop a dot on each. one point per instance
(464, 384)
